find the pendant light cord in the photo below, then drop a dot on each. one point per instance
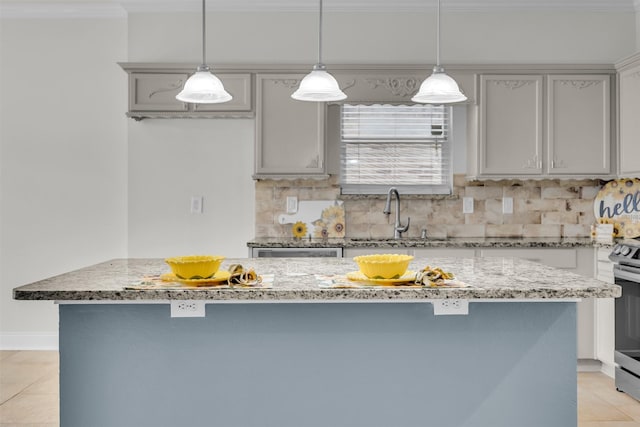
(320, 34)
(204, 31)
(438, 37)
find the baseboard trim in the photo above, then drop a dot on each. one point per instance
(608, 369)
(29, 341)
(589, 365)
(594, 365)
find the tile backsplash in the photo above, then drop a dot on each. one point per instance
(541, 208)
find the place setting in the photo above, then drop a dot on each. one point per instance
(390, 270)
(203, 271)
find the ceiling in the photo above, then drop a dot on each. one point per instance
(45, 8)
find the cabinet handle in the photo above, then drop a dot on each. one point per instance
(558, 164)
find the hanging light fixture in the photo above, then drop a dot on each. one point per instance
(319, 85)
(439, 88)
(203, 87)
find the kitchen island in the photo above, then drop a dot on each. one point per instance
(500, 352)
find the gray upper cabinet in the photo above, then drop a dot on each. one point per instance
(290, 134)
(542, 125)
(578, 124)
(153, 90)
(156, 92)
(629, 113)
(510, 128)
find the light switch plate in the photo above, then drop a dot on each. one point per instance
(507, 205)
(467, 205)
(196, 204)
(292, 204)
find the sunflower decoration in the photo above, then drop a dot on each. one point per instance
(299, 229)
(331, 223)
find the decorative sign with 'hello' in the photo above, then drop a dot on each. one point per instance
(618, 203)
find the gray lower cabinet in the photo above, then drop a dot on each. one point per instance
(289, 133)
(153, 90)
(629, 112)
(352, 252)
(543, 126)
(590, 344)
(605, 314)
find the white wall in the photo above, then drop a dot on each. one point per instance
(172, 160)
(505, 37)
(63, 161)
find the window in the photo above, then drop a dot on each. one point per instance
(405, 146)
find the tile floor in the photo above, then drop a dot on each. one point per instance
(29, 394)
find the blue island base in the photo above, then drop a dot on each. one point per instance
(506, 364)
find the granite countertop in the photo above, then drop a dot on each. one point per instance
(294, 280)
(480, 242)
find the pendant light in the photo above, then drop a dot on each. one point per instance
(439, 88)
(203, 87)
(319, 85)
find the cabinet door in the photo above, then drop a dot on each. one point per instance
(444, 253)
(289, 133)
(510, 125)
(558, 258)
(630, 122)
(578, 124)
(156, 91)
(351, 252)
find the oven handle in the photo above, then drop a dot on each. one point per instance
(618, 272)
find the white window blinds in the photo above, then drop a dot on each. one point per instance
(406, 146)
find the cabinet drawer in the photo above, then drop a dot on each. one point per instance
(559, 258)
(444, 253)
(351, 252)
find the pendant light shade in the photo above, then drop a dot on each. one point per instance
(203, 87)
(319, 85)
(439, 88)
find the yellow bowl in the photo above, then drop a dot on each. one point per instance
(193, 267)
(383, 266)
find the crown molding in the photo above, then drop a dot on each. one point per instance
(75, 10)
(140, 6)
(120, 8)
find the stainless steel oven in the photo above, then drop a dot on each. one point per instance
(626, 272)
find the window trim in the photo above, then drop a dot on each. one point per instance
(411, 189)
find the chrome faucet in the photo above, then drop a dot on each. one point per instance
(398, 228)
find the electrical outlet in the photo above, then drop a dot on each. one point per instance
(187, 309)
(507, 205)
(443, 307)
(467, 205)
(196, 204)
(292, 204)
